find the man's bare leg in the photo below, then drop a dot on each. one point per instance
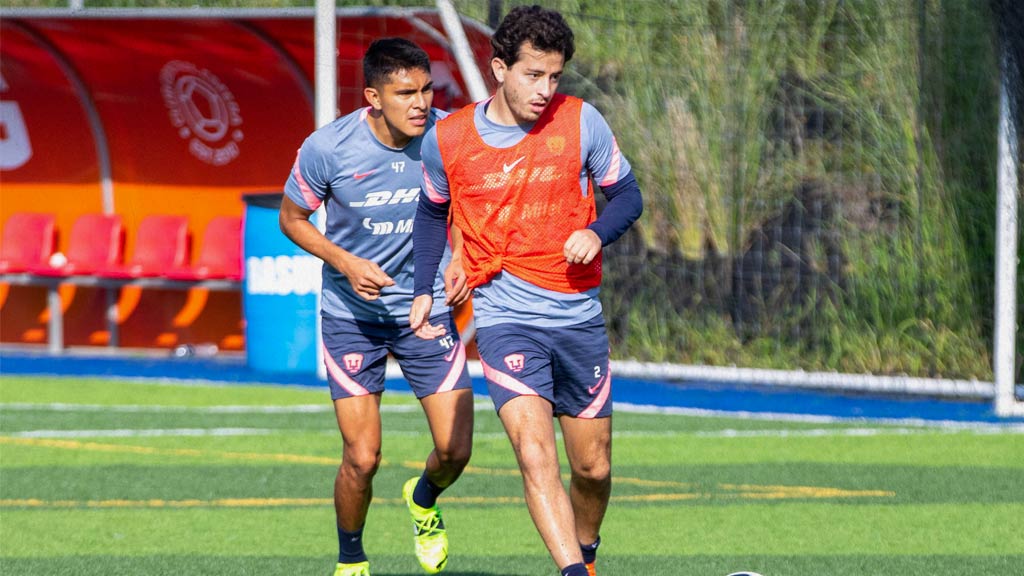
(450, 416)
(529, 424)
(359, 422)
(588, 444)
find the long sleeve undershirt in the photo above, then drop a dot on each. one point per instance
(429, 233)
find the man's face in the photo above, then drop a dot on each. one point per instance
(404, 102)
(529, 84)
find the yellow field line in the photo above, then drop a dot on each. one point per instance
(687, 490)
(324, 502)
(124, 448)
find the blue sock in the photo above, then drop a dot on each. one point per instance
(426, 492)
(590, 551)
(575, 570)
(350, 546)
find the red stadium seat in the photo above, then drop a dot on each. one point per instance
(28, 241)
(96, 242)
(161, 243)
(220, 257)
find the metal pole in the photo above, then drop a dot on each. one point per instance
(1005, 333)
(55, 328)
(326, 110)
(326, 26)
(460, 49)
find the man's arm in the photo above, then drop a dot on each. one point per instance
(366, 277)
(429, 236)
(611, 170)
(456, 288)
(625, 205)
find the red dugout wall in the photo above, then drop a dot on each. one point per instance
(169, 114)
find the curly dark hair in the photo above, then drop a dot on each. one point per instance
(545, 29)
(386, 56)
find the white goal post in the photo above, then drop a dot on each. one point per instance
(1004, 338)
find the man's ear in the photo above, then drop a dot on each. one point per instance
(372, 97)
(499, 68)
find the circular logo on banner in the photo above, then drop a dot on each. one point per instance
(203, 110)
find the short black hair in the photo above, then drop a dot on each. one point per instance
(545, 29)
(387, 56)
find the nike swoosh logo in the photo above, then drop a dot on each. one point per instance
(596, 387)
(359, 176)
(449, 356)
(508, 167)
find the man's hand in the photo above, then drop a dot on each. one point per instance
(582, 247)
(419, 318)
(456, 289)
(366, 277)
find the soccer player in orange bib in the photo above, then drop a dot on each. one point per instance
(516, 174)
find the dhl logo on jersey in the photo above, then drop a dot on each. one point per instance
(515, 177)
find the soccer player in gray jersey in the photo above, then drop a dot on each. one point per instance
(365, 169)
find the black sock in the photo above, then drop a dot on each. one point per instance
(590, 551)
(575, 570)
(426, 492)
(350, 546)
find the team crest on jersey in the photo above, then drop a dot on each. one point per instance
(556, 144)
(353, 362)
(515, 362)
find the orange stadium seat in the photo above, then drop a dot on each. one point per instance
(28, 241)
(220, 256)
(96, 242)
(161, 243)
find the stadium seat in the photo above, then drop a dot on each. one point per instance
(28, 241)
(161, 243)
(220, 256)
(96, 242)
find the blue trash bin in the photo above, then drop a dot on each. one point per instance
(281, 293)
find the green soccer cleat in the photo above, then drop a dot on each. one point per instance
(429, 533)
(357, 569)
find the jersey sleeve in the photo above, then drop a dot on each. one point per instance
(609, 168)
(435, 180)
(430, 230)
(309, 181)
(600, 151)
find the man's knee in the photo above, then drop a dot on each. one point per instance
(361, 462)
(597, 470)
(536, 455)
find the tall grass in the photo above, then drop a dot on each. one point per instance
(727, 110)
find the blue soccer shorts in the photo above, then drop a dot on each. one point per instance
(356, 356)
(567, 366)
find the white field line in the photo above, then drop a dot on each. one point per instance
(622, 434)
(485, 405)
(290, 409)
(140, 433)
(241, 409)
(811, 418)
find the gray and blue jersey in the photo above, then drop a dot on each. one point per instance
(507, 298)
(370, 193)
